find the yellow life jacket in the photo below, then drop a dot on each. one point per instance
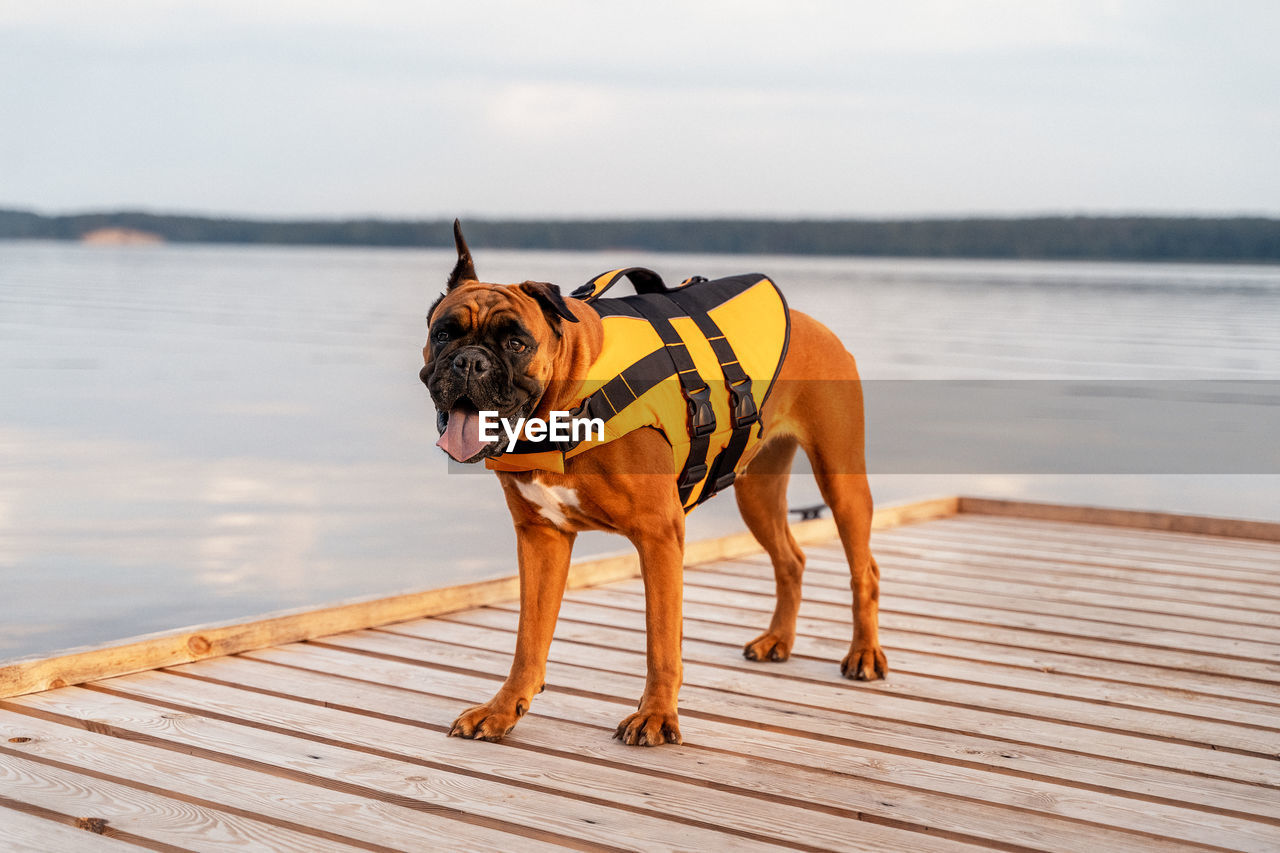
(695, 362)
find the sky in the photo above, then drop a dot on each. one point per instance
(321, 108)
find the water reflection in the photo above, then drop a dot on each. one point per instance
(98, 529)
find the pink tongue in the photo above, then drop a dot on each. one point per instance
(461, 438)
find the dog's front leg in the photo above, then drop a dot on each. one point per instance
(543, 553)
(662, 566)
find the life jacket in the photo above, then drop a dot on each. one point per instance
(695, 362)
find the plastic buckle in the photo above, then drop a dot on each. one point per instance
(702, 418)
(693, 476)
(723, 482)
(745, 412)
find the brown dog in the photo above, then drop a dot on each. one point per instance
(519, 350)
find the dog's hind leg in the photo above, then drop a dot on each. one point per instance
(826, 415)
(761, 491)
(849, 497)
(839, 470)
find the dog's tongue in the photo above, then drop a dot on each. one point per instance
(461, 438)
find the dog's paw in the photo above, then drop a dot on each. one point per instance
(767, 647)
(488, 721)
(649, 728)
(864, 663)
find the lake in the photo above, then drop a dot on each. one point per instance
(200, 433)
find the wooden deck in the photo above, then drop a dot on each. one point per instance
(1061, 679)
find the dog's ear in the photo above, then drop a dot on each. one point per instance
(464, 269)
(548, 296)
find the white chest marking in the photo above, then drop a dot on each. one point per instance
(550, 500)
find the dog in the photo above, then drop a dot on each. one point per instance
(521, 350)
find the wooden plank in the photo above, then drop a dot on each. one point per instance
(1246, 555)
(1264, 596)
(829, 568)
(1061, 619)
(1231, 640)
(142, 653)
(383, 758)
(1111, 597)
(1197, 620)
(721, 644)
(1027, 594)
(345, 816)
(1084, 552)
(200, 642)
(1236, 676)
(1199, 524)
(866, 793)
(21, 832)
(911, 512)
(1090, 545)
(1023, 630)
(1026, 780)
(144, 814)
(1150, 563)
(1030, 553)
(1247, 552)
(821, 708)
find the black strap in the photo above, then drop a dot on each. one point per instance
(745, 414)
(610, 399)
(655, 307)
(721, 474)
(644, 279)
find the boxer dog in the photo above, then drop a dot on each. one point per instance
(520, 350)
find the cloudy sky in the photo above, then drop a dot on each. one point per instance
(415, 108)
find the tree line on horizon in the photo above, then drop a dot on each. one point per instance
(1150, 238)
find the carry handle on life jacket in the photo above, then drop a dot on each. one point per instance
(645, 281)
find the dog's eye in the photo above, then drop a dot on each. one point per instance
(442, 336)
(516, 345)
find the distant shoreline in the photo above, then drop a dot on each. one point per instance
(1098, 238)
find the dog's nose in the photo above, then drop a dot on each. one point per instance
(471, 363)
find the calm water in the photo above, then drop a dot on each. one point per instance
(190, 434)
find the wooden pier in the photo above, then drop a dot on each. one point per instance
(1062, 679)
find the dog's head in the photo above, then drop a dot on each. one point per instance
(490, 347)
